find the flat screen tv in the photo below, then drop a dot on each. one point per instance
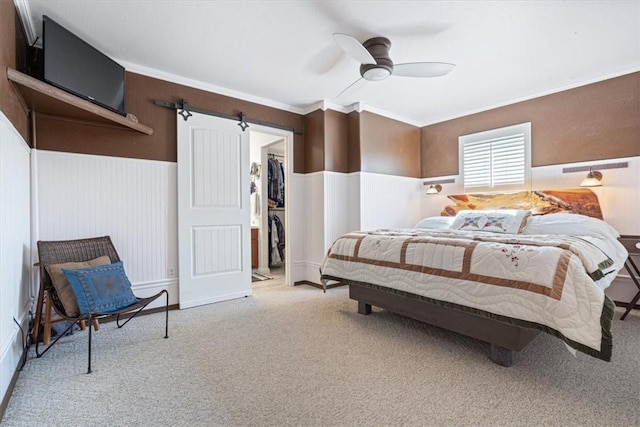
(77, 67)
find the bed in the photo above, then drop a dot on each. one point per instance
(498, 268)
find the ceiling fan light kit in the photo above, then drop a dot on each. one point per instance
(374, 73)
(376, 64)
(378, 47)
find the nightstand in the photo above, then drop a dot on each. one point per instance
(632, 244)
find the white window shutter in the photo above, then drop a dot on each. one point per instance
(498, 159)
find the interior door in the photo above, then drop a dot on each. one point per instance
(213, 210)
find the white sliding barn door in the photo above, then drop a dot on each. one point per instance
(213, 210)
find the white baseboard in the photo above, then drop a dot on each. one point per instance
(146, 289)
(199, 302)
(10, 355)
(306, 271)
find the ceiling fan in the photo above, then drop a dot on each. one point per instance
(376, 64)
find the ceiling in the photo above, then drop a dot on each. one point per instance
(282, 53)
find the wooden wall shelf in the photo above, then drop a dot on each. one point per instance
(46, 99)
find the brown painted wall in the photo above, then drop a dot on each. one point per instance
(314, 141)
(62, 135)
(354, 142)
(336, 141)
(9, 102)
(388, 146)
(326, 141)
(592, 122)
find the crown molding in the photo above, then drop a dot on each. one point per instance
(197, 84)
(24, 12)
(358, 107)
(381, 112)
(325, 105)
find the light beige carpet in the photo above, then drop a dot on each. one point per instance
(296, 356)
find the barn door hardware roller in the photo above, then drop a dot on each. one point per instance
(184, 109)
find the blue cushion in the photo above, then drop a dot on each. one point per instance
(101, 289)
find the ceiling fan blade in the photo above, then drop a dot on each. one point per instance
(352, 88)
(422, 69)
(354, 48)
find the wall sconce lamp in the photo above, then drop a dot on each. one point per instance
(434, 189)
(593, 179)
(434, 186)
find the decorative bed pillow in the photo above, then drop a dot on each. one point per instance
(61, 285)
(435, 222)
(508, 221)
(571, 225)
(102, 289)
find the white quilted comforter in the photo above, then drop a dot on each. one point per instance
(543, 282)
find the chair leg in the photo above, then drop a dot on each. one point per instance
(89, 350)
(61, 335)
(166, 314)
(95, 322)
(46, 333)
(36, 322)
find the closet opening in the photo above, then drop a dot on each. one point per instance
(268, 176)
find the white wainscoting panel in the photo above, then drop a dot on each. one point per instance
(298, 227)
(314, 230)
(388, 201)
(336, 207)
(353, 204)
(15, 247)
(133, 201)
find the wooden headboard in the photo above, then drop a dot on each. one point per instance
(579, 200)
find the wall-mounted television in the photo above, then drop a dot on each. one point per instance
(75, 66)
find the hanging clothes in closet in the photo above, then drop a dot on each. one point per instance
(275, 182)
(275, 202)
(276, 241)
(253, 191)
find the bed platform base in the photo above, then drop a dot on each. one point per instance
(504, 338)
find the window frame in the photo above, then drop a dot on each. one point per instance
(489, 136)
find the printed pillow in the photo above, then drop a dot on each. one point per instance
(62, 287)
(102, 289)
(507, 221)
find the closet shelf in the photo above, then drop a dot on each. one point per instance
(46, 99)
